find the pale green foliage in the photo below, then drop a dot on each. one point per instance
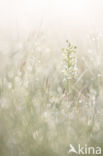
(39, 116)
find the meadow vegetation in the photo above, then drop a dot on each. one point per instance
(50, 99)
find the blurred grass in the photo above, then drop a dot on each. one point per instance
(38, 114)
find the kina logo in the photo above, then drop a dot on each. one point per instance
(85, 149)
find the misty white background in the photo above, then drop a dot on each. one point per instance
(58, 18)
